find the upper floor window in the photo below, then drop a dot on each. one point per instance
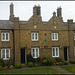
(5, 36)
(35, 52)
(74, 36)
(55, 51)
(34, 36)
(5, 53)
(54, 36)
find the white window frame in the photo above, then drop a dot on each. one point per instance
(5, 53)
(34, 36)
(54, 39)
(55, 51)
(5, 36)
(35, 52)
(74, 35)
(74, 50)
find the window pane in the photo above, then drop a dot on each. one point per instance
(56, 51)
(7, 53)
(53, 52)
(33, 52)
(3, 36)
(37, 52)
(33, 36)
(55, 35)
(7, 36)
(3, 53)
(36, 36)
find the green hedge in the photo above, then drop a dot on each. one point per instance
(30, 64)
(1, 67)
(18, 65)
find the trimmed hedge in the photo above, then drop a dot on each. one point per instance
(30, 64)
(72, 61)
(1, 67)
(65, 62)
(18, 65)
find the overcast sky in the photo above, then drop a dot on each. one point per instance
(24, 9)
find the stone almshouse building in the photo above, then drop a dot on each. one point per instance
(54, 38)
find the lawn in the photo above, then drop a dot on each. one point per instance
(69, 68)
(32, 71)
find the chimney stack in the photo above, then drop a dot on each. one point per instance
(11, 11)
(59, 13)
(36, 10)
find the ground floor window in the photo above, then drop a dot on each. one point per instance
(35, 52)
(5, 53)
(55, 51)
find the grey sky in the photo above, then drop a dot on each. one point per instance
(24, 9)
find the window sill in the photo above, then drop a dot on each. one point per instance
(35, 57)
(5, 41)
(55, 56)
(6, 58)
(35, 40)
(54, 40)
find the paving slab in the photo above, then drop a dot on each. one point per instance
(61, 70)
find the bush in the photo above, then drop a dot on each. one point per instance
(47, 61)
(11, 67)
(30, 64)
(8, 62)
(18, 65)
(72, 61)
(1, 68)
(65, 62)
(36, 65)
(58, 59)
(59, 63)
(30, 58)
(5, 68)
(2, 63)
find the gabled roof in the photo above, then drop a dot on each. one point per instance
(6, 24)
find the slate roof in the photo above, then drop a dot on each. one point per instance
(6, 24)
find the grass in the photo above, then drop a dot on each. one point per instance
(32, 71)
(69, 68)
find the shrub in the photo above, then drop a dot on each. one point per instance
(30, 58)
(1, 68)
(72, 61)
(58, 59)
(11, 67)
(5, 68)
(47, 61)
(36, 65)
(9, 62)
(18, 65)
(2, 63)
(59, 63)
(65, 62)
(30, 64)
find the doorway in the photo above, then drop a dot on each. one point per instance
(66, 53)
(23, 52)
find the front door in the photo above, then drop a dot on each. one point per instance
(66, 53)
(23, 55)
